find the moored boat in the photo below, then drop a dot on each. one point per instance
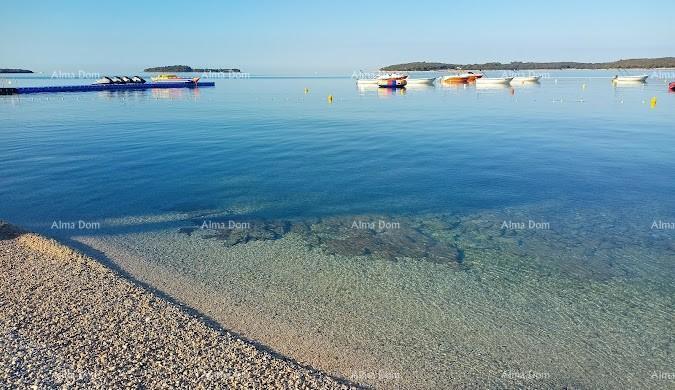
(172, 78)
(104, 80)
(493, 80)
(421, 81)
(630, 79)
(471, 76)
(526, 79)
(392, 83)
(455, 79)
(671, 86)
(390, 76)
(120, 80)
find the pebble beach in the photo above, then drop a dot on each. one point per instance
(67, 321)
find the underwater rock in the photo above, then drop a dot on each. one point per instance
(384, 237)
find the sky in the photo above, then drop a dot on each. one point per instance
(336, 37)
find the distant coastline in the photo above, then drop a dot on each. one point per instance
(2, 70)
(188, 69)
(636, 63)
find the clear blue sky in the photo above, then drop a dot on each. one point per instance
(326, 37)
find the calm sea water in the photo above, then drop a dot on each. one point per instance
(584, 298)
(264, 141)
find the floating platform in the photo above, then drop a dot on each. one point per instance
(103, 87)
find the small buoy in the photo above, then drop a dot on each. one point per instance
(583, 86)
(652, 103)
(330, 98)
(306, 91)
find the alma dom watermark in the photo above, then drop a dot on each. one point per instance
(75, 225)
(80, 74)
(525, 375)
(662, 225)
(227, 225)
(527, 225)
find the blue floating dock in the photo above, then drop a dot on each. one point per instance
(104, 87)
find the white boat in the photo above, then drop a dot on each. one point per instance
(421, 81)
(630, 79)
(388, 76)
(392, 83)
(525, 79)
(493, 80)
(471, 76)
(172, 78)
(104, 80)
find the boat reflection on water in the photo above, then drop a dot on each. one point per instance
(526, 84)
(453, 85)
(493, 87)
(136, 94)
(171, 93)
(420, 87)
(386, 92)
(368, 89)
(364, 89)
(629, 84)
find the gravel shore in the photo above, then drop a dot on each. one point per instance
(68, 321)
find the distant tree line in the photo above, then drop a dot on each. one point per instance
(3, 70)
(643, 63)
(185, 68)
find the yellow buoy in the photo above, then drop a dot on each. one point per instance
(330, 98)
(652, 103)
(583, 86)
(306, 91)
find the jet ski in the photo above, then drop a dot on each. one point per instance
(104, 80)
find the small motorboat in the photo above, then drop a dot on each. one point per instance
(126, 79)
(172, 78)
(471, 76)
(421, 81)
(493, 80)
(392, 83)
(104, 80)
(138, 80)
(525, 79)
(671, 86)
(630, 79)
(455, 79)
(390, 76)
(116, 80)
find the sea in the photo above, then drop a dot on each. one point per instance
(440, 236)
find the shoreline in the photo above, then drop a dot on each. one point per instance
(68, 320)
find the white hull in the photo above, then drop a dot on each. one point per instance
(424, 81)
(493, 80)
(630, 79)
(526, 79)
